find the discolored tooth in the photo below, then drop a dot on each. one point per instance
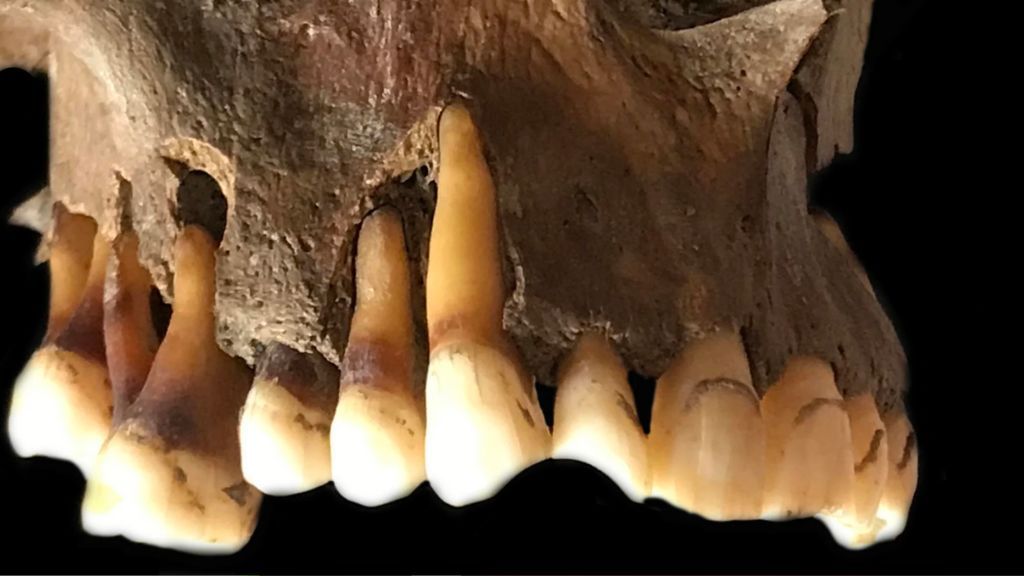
(61, 405)
(170, 474)
(595, 416)
(484, 422)
(285, 423)
(855, 524)
(809, 453)
(377, 436)
(707, 439)
(901, 481)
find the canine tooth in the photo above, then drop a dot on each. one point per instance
(484, 423)
(378, 432)
(809, 461)
(901, 482)
(707, 435)
(595, 416)
(61, 405)
(285, 423)
(170, 474)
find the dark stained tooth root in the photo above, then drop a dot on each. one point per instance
(61, 405)
(285, 424)
(901, 480)
(378, 432)
(595, 416)
(484, 422)
(707, 440)
(170, 474)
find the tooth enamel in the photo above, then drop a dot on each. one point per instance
(61, 404)
(484, 423)
(170, 474)
(595, 417)
(809, 454)
(285, 423)
(901, 481)
(378, 433)
(707, 436)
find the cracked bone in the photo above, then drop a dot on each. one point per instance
(170, 475)
(377, 437)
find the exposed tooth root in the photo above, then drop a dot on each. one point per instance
(901, 481)
(707, 440)
(170, 474)
(285, 424)
(484, 423)
(809, 461)
(595, 417)
(61, 405)
(378, 431)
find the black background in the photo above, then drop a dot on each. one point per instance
(917, 203)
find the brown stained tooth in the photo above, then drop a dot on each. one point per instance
(809, 452)
(707, 442)
(595, 417)
(170, 474)
(285, 423)
(377, 436)
(61, 405)
(484, 422)
(901, 481)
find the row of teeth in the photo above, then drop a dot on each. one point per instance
(178, 441)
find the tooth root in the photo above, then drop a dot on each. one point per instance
(484, 423)
(901, 481)
(377, 437)
(595, 417)
(285, 423)
(707, 441)
(170, 474)
(61, 405)
(809, 454)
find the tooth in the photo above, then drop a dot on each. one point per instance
(809, 462)
(856, 525)
(61, 405)
(170, 474)
(901, 481)
(595, 417)
(707, 436)
(378, 431)
(830, 228)
(285, 424)
(484, 423)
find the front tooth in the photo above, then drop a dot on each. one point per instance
(809, 463)
(707, 435)
(595, 417)
(170, 474)
(901, 482)
(285, 423)
(484, 422)
(378, 431)
(61, 405)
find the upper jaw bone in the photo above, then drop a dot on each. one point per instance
(484, 422)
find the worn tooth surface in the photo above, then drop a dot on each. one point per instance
(484, 422)
(595, 416)
(285, 424)
(170, 474)
(901, 480)
(61, 405)
(809, 453)
(377, 436)
(707, 441)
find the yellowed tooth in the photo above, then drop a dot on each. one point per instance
(377, 437)
(595, 417)
(285, 424)
(170, 474)
(707, 439)
(901, 481)
(809, 457)
(484, 423)
(61, 405)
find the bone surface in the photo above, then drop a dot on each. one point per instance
(901, 480)
(484, 422)
(377, 437)
(595, 417)
(707, 436)
(170, 473)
